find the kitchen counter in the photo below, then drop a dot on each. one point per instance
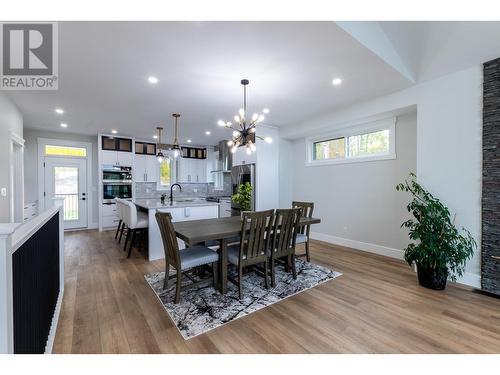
(153, 204)
(184, 209)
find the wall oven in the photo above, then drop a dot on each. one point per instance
(117, 183)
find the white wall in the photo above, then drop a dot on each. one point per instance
(449, 147)
(31, 165)
(11, 120)
(358, 201)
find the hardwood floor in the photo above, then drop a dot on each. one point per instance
(376, 306)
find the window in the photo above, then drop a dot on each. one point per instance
(52, 150)
(373, 141)
(165, 173)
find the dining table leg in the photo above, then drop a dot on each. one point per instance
(223, 265)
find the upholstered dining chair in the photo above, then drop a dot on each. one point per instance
(304, 231)
(137, 223)
(121, 223)
(284, 236)
(253, 246)
(183, 260)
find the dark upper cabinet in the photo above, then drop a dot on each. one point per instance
(194, 153)
(116, 144)
(145, 148)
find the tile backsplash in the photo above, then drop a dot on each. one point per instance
(189, 190)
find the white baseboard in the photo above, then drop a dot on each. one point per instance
(469, 279)
(53, 325)
(358, 245)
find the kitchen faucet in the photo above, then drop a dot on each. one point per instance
(171, 191)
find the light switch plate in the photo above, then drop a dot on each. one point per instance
(4, 192)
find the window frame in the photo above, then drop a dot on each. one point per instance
(372, 127)
(173, 177)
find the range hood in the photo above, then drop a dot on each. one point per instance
(225, 160)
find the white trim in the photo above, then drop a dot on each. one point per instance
(358, 245)
(53, 326)
(384, 124)
(41, 172)
(469, 279)
(15, 141)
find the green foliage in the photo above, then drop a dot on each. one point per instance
(243, 196)
(438, 245)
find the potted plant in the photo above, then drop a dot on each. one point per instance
(243, 197)
(440, 250)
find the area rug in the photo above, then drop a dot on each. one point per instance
(204, 308)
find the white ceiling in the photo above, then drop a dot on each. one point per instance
(103, 69)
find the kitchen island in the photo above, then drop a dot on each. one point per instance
(181, 210)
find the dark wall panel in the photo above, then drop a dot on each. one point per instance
(35, 280)
(490, 256)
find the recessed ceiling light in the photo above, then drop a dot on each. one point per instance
(152, 79)
(265, 110)
(208, 132)
(114, 131)
(59, 111)
(337, 81)
(155, 136)
(188, 141)
(64, 125)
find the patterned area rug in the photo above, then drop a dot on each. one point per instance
(203, 309)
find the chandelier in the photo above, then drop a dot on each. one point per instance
(244, 133)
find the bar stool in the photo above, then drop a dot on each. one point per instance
(137, 223)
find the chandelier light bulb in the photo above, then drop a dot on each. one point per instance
(234, 149)
(221, 123)
(249, 151)
(237, 118)
(268, 140)
(260, 118)
(160, 158)
(236, 133)
(176, 153)
(229, 143)
(242, 113)
(252, 147)
(228, 124)
(255, 116)
(252, 130)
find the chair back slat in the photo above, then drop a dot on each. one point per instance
(170, 245)
(285, 229)
(307, 211)
(255, 235)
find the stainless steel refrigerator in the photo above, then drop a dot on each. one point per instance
(241, 174)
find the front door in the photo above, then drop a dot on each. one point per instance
(67, 178)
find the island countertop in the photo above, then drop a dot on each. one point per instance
(153, 204)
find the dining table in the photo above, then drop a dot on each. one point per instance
(222, 230)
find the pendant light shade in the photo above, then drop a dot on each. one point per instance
(159, 155)
(176, 149)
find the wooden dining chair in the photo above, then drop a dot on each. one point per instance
(253, 246)
(304, 231)
(183, 260)
(284, 236)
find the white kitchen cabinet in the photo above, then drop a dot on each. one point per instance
(240, 157)
(122, 158)
(192, 170)
(146, 168)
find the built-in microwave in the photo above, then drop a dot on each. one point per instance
(116, 190)
(114, 173)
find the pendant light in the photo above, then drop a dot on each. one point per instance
(176, 150)
(245, 135)
(159, 155)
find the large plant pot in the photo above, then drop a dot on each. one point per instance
(429, 278)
